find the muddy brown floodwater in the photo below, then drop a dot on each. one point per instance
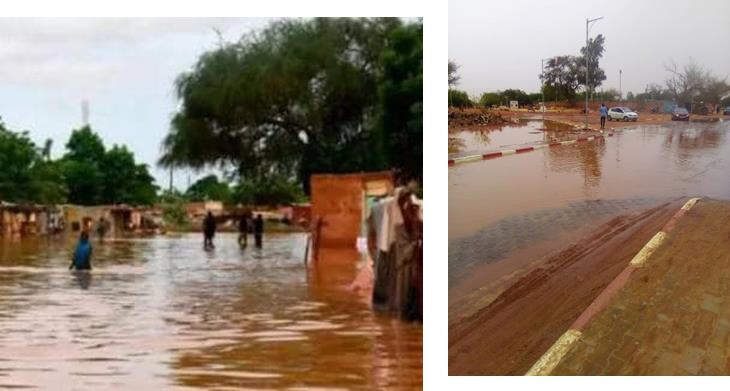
(162, 313)
(534, 237)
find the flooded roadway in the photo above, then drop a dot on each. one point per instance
(512, 203)
(162, 313)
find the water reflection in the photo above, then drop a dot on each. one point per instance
(161, 313)
(83, 278)
(583, 158)
(653, 162)
(693, 138)
(478, 140)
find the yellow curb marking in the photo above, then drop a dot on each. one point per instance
(545, 365)
(568, 142)
(541, 146)
(508, 152)
(640, 258)
(690, 203)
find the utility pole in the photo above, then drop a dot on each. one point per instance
(588, 22)
(170, 180)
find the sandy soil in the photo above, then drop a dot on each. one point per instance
(511, 332)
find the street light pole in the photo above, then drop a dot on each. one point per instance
(542, 89)
(620, 90)
(588, 22)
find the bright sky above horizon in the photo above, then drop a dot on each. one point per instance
(124, 68)
(499, 44)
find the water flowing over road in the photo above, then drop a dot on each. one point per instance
(516, 201)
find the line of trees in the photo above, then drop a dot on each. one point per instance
(274, 191)
(87, 174)
(301, 97)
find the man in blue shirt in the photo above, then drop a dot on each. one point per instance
(82, 254)
(604, 113)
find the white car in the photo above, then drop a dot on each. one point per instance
(622, 113)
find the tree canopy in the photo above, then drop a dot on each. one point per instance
(301, 97)
(561, 75)
(693, 82)
(593, 51)
(453, 76)
(94, 175)
(209, 188)
(25, 175)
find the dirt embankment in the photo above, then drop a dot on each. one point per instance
(471, 117)
(513, 331)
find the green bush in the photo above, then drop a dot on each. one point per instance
(489, 99)
(459, 99)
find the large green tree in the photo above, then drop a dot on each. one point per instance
(25, 175)
(301, 97)
(97, 176)
(400, 107)
(209, 188)
(562, 76)
(593, 52)
(81, 167)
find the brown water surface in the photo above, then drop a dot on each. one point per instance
(162, 313)
(503, 205)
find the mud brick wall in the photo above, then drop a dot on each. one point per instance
(338, 200)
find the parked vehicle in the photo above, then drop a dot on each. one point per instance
(622, 113)
(726, 111)
(680, 114)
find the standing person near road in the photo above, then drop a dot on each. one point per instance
(82, 254)
(258, 229)
(243, 230)
(208, 231)
(604, 113)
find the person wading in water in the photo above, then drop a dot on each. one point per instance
(243, 231)
(258, 230)
(208, 231)
(604, 112)
(82, 255)
(102, 228)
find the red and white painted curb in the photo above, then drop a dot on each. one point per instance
(547, 363)
(505, 152)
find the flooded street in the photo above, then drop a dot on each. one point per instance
(512, 203)
(527, 131)
(161, 312)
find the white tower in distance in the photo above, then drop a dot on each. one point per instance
(84, 112)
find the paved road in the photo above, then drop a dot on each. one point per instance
(672, 317)
(508, 335)
(496, 241)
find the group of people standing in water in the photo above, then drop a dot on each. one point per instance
(81, 259)
(246, 225)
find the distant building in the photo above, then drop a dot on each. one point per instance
(28, 219)
(197, 210)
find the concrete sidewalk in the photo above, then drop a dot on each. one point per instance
(673, 316)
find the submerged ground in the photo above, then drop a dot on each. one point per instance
(162, 312)
(534, 237)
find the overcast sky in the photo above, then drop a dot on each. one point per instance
(499, 44)
(125, 68)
